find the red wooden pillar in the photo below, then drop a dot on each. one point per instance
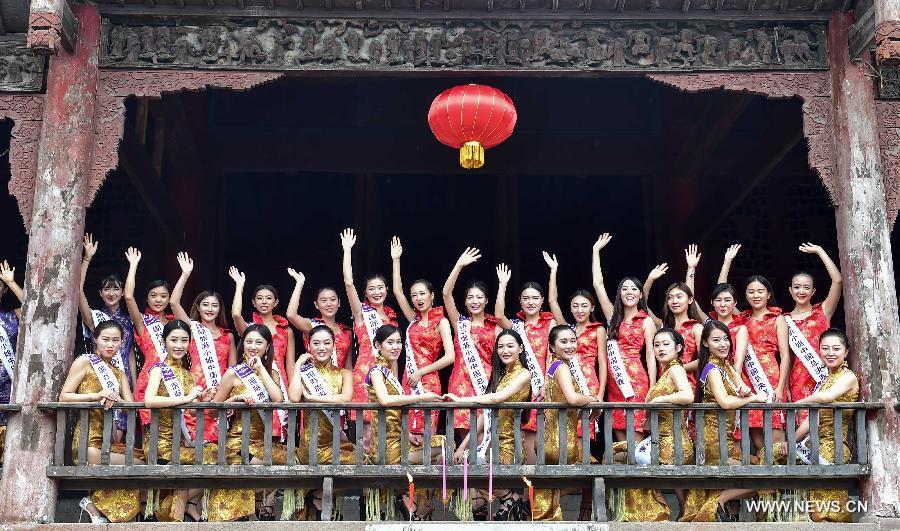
(52, 273)
(870, 292)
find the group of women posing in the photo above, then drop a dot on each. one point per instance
(189, 355)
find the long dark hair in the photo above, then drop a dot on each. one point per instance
(668, 318)
(266, 334)
(619, 309)
(178, 324)
(195, 308)
(703, 351)
(766, 284)
(498, 368)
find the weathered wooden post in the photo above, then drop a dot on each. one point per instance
(870, 293)
(51, 274)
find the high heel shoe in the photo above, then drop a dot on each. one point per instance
(84, 503)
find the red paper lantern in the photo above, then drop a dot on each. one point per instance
(472, 118)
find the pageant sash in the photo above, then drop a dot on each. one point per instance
(7, 353)
(317, 322)
(537, 378)
(411, 365)
(372, 321)
(805, 351)
(282, 413)
(477, 375)
(757, 375)
(725, 377)
(118, 360)
(617, 369)
(390, 378)
(805, 454)
(104, 373)
(155, 330)
(317, 386)
(642, 452)
(252, 382)
(578, 374)
(206, 352)
(173, 386)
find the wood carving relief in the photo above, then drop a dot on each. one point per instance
(888, 113)
(26, 113)
(20, 69)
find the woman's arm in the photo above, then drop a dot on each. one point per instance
(730, 254)
(132, 365)
(606, 305)
(386, 399)
(348, 239)
(601, 359)
(290, 354)
(446, 358)
(297, 389)
(552, 289)
(187, 265)
(469, 256)
(696, 331)
(566, 384)
(237, 303)
(652, 276)
(692, 257)
(69, 391)
(649, 332)
(232, 353)
(834, 291)
(223, 392)
(847, 382)
(397, 282)
(84, 308)
(346, 394)
(683, 393)
(134, 257)
(302, 323)
(726, 401)
(784, 365)
(741, 341)
(152, 398)
(503, 395)
(503, 276)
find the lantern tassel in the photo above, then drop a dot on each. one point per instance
(471, 155)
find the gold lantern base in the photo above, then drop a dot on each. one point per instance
(471, 155)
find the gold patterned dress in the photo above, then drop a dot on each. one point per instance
(506, 417)
(701, 504)
(117, 505)
(647, 505)
(546, 501)
(334, 377)
(231, 504)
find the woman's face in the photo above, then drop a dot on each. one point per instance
(108, 342)
(110, 295)
(665, 348)
(265, 301)
(177, 343)
(723, 304)
(376, 291)
(531, 301)
(422, 298)
(209, 309)
(321, 345)
(630, 294)
(508, 349)
(255, 345)
(581, 309)
(391, 347)
(328, 303)
(719, 343)
(476, 300)
(802, 289)
(678, 301)
(158, 299)
(834, 351)
(757, 295)
(565, 344)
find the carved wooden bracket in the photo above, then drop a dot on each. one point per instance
(51, 24)
(888, 114)
(887, 43)
(26, 113)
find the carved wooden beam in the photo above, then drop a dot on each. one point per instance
(20, 69)
(51, 24)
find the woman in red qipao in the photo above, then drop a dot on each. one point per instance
(429, 339)
(534, 325)
(328, 304)
(767, 334)
(206, 311)
(368, 317)
(811, 320)
(631, 328)
(154, 318)
(482, 330)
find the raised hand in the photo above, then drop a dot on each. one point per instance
(256, 364)
(7, 274)
(602, 241)
(196, 393)
(469, 256)
(811, 248)
(186, 263)
(503, 273)
(301, 361)
(296, 275)
(396, 248)
(237, 276)
(348, 239)
(692, 255)
(732, 252)
(550, 260)
(658, 271)
(90, 246)
(133, 255)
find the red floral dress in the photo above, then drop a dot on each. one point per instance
(427, 347)
(365, 358)
(460, 382)
(763, 335)
(343, 341)
(151, 358)
(689, 354)
(586, 350)
(279, 342)
(539, 337)
(800, 382)
(222, 345)
(631, 342)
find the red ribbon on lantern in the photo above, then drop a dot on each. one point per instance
(472, 118)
